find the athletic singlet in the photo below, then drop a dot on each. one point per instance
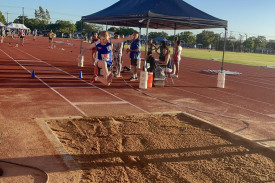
(51, 35)
(104, 52)
(150, 47)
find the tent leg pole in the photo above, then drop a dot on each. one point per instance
(224, 45)
(174, 40)
(146, 41)
(81, 36)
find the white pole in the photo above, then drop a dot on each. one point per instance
(146, 40)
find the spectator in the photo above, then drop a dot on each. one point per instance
(177, 58)
(117, 49)
(150, 48)
(2, 34)
(135, 55)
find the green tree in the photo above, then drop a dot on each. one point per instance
(187, 37)
(19, 19)
(65, 26)
(260, 43)
(153, 35)
(42, 15)
(2, 18)
(206, 38)
(48, 16)
(249, 44)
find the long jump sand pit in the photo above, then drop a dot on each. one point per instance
(160, 148)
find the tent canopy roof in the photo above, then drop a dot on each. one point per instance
(163, 14)
(17, 26)
(160, 39)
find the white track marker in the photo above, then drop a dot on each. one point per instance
(72, 87)
(55, 77)
(271, 115)
(100, 103)
(29, 61)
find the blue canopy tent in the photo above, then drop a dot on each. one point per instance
(156, 14)
(160, 39)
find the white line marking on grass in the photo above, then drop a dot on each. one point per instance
(87, 82)
(100, 103)
(83, 113)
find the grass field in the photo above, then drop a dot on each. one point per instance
(232, 57)
(251, 59)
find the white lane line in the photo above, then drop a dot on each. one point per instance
(217, 100)
(83, 113)
(271, 115)
(100, 103)
(72, 87)
(87, 83)
(35, 65)
(29, 61)
(55, 77)
(45, 70)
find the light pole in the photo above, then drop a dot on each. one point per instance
(23, 15)
(241, 36)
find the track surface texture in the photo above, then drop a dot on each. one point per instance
(245, 107)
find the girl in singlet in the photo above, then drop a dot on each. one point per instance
(104, 48)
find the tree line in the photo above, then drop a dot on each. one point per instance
(202, 40)
(42, 22)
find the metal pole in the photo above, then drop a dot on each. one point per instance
(81, 36)
(106, 26)
(23, 16)
(146, 40)
(224, 45)
(7, 17)
(174, 39)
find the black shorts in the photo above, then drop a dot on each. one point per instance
(21, 37)
(149, 53)
(50, 38)
(134, 61)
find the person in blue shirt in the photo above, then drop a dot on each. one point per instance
(104, 56)
(134, 50)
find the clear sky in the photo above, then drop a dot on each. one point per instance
(253, 17)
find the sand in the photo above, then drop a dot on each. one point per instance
(160, 148)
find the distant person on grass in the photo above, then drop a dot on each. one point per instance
(104, 56)
(21, 36)
(134, 50)
(2, 34)
(51, 35)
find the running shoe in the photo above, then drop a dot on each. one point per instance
(133, 78)
(93, 79)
